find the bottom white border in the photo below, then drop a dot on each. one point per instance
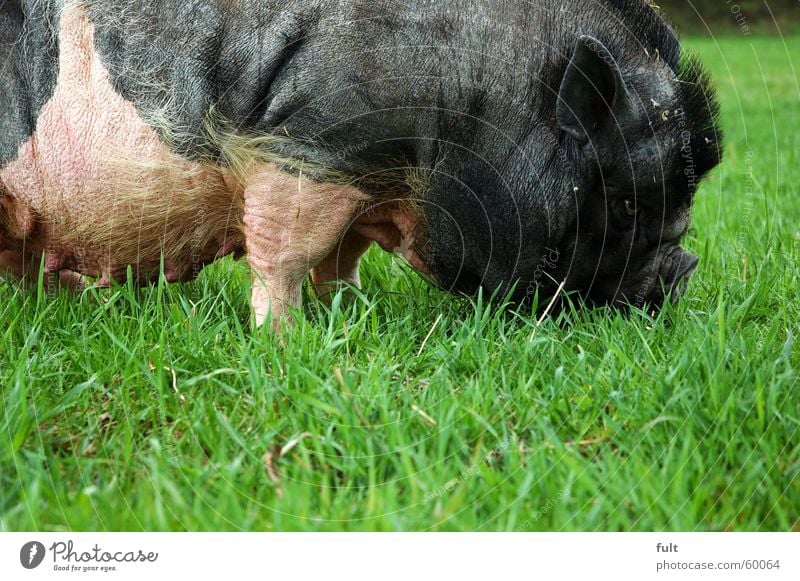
(329, 557)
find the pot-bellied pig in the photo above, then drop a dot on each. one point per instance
(509, 145)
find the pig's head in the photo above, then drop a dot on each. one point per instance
(597, 194)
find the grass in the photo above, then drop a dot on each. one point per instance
(159, 410)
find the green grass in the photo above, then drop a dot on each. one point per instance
(160, 410)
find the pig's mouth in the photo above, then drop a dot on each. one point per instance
(665, 276)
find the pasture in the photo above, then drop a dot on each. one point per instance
(408, 409)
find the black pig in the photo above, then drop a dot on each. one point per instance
(504, 144)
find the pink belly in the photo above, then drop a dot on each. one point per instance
(95, 190)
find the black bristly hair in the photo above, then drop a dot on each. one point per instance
(699, 101)
(695, 95)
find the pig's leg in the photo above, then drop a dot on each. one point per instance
(291, 224)
(341, 265)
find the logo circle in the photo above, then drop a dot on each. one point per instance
(31, 554)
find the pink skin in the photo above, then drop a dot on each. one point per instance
(391, 225)
(341, 265)
(291, 225)
(62, 178)
(294, 225)
(387, 223)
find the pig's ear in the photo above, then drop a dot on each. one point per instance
(592, 92)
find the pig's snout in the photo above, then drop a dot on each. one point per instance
(676, 270)
(670, 281)
(663, 276)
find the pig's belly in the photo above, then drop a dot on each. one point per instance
(94, 190)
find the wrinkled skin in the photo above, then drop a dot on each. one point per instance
(499, 145)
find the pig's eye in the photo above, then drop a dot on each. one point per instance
(630, 208)
(624, 212)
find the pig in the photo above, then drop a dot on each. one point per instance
(521, 148)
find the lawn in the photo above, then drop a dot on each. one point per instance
(411, 410)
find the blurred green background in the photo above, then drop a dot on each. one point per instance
(727, 17)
